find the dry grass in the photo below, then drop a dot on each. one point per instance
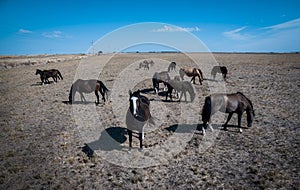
(41, 146)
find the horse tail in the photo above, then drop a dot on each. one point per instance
(154, 81)
(201, 75)
(102, 85)
(61, 77)
(71, 94)
(206, 111)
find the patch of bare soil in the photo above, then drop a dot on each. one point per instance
(43, 145)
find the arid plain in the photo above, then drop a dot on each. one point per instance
(47, 143)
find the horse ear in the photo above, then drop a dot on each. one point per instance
(129, 92)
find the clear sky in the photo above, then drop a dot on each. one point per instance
(57, 26)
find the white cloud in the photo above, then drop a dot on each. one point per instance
(289, 24)
(236, 34)
(23, 31)
(166, 28)
(54, 34)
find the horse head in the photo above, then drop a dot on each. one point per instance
(250, 117)
(37, 72)
(134, 102)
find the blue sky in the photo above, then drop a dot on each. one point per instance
(38, 27)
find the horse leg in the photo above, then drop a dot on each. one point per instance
(82, 97)
(193, 80)
(239, 122)
(199, 80)
(130, 137)
(141, 137)
(228, 119)
(97, 95)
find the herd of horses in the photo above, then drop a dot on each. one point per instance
(139, 113)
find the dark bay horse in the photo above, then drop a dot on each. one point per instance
(161, 77)
(138, 115)
(227, 103)
(180, 86)
(88, 86)
(172, 67)
(191, 72)
(46, 74)
(219, 69)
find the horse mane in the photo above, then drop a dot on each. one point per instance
(246, 99)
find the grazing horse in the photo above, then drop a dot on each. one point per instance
(138, 115)
(219, 69)
(172, 66)
(88, 86)
(191, 72)
(146, 64)
(180, 86)
(227, 103)
(161, 77)
(45, 74)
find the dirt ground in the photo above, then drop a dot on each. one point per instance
(49, 144)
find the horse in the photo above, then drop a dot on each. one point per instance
(191, 72)
(138, 114)
(219, 69)
(88, 86)
(161, 77)
(227, 103)
(46, 74)
(180, 86)
(172, 67)
(146, 64)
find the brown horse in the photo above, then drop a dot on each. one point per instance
(219, 69)
(88, 86)
(227, 103)
(161, 77)
(180, 86)
(191, 72)
(138, 115)
(46, 74)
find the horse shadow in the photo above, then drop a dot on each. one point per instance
(191, 128)
(79, 102)
(147, 91)
(110, 139)
(41, 84)
(184, 128)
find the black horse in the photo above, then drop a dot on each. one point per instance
(180, 86)
(161, 77)
(219, 69)
(227, 103)
(138, 115)
(172, 67)
(88, 86)
(46, 74)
